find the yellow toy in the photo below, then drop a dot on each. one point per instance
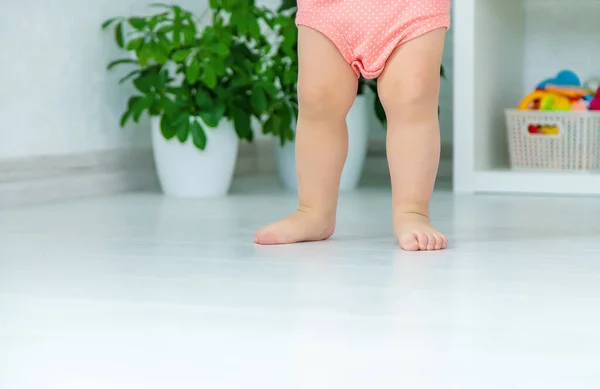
(545, 129)
(546, 101)
(553, 102)
(531, 99)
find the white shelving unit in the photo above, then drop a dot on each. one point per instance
(502, 49)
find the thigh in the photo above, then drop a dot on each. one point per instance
(412, 73)
(325, 79)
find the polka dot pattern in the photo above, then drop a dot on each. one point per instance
(367, 31)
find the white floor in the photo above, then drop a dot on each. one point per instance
(140, 291)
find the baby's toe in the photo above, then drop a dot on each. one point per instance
(408, 242)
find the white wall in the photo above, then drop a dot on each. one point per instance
(561, 34)
(56, 96)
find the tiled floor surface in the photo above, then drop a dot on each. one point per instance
(141, 291)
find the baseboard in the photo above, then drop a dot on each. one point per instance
(44, 179)
(258, 158)
(54, 178)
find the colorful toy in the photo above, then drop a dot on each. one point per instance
(563, 78)
(572, 92)
(532, 98)
(563, 93)
(554, 102)
(595, 103)
(580, 105)
(543, 129)
(545, 101)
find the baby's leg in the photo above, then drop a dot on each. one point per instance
(327, 88)
(409, 91)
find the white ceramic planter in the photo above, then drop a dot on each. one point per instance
(185, 171)
(359, 121)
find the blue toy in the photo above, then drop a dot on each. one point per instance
(563, 78)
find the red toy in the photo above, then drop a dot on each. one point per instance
(595, 103)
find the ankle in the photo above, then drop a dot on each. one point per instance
(323, 215)
(409, 208)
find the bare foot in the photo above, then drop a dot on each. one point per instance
(301, 226)
(415, 232)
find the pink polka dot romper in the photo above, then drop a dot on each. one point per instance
(367, 31)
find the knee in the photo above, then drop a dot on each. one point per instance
(323, 101)
(410, 98)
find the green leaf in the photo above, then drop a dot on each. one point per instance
(219, 67)
(287, 4)
(203, 99)
(147, 82)
(183, 129)
(189, 34)
(135, 44)
(119, 35)
(181, 55)
(144, 54)
(241, 80)
(242, 123)
(212, 116)
(198, 135)
(168, 106)
(218, 48)
(209, 77)
(137, 23)
(238, 20)
(108, 22)
(289, 133)
(140, 106)
(290, 37)
(133, 100)
(161, 5)
(258, 67)
(193, 72)
(253, 27)
(176, 35)
(164, 30)
(165, 43)
(380, 111)
(154, 21)
(270, 125)
(129, 75)
(289, 78)
(178, 11)
(167, 128)
(125, 118)
(270, 89)
(153, 51)
(120, 62)
(161, 51)
(258, 100)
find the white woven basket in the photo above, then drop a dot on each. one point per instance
(576, 147)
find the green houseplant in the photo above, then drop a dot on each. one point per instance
(199, 84)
